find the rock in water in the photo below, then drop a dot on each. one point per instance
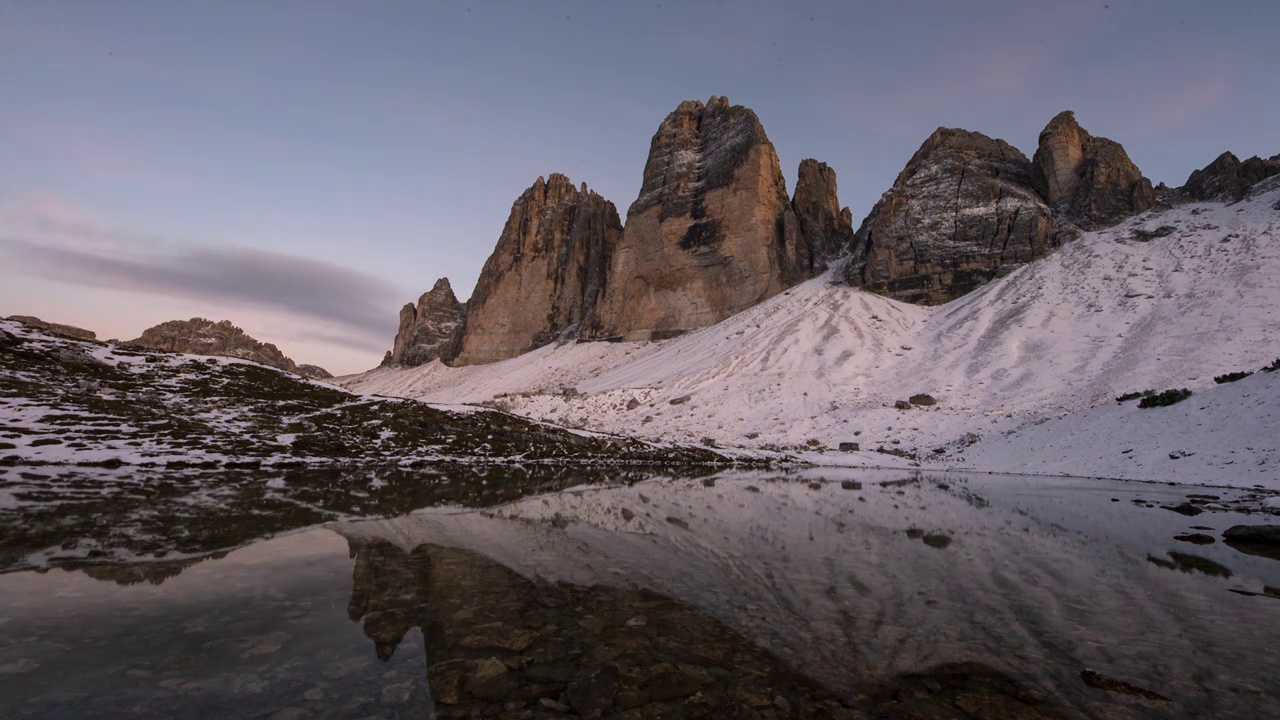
(545, 275)
(426, 329)
(206, 337)
(712, 233)
(826, 229)
(1226, 178)
(1091, 180)
(961, 213)
(70, 331)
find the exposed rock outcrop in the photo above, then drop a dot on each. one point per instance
(206, 337)
(712, 232)
(1090, 180)
(70, 331)
(826, 229)
(1228, 179)
(426, 329)
(315, 372)
(546, 274)
(961, 213)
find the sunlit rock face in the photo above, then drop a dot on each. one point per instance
(1090, 180)
(961, 213)
(199, 336)
(427, 328)
(712, 232)
(546, 274)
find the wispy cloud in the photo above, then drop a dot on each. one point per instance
(64, 247)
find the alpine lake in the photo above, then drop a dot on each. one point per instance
(634, 592)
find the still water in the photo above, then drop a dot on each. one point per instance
(740, 595)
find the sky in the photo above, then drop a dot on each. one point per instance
(305, 168)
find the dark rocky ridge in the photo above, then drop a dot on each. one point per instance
(67, 330)
(968, 209)
(1228, 179)
(712, 232)
(426, 329)
(545, 275)
(825, 228)
(960, 214)
(199, 336)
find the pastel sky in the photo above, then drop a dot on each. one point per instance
(303, 168)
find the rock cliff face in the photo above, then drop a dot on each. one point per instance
(67, 330)
(1090, 180)
(1228, 179)
(546, 274)
(711, 234)
(961, 213)
(206, 337)
(826, 229)
(426, 329)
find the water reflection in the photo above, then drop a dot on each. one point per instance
(743, 595)
(388, 591)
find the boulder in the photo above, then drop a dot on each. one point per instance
(1090, 180)
(961, 213)
(826, 229)
(545, 275)
(923, 399)
(1254, 534)
(426, 329)
(712, 233)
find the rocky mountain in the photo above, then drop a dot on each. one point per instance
(67, 330)
(427, 329)
(1090, 180)
(961, 213)
(199, 336)
(1228, 179)
(315, 372)
(546, 274)
(825, 228)
(969, 208)
(712, 232)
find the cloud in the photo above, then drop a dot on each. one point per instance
(359, 307)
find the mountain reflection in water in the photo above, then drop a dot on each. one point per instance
(862, 595)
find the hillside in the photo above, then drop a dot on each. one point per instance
(1167, 299)
(70, 402)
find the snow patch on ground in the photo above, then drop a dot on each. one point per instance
(1025, 369)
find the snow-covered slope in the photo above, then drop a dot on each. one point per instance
(823, 364)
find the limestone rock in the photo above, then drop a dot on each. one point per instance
(826, 229)
(1091, 180)
(546, 274)
(1226, 178)
(315, 372)
(426, 329)
(711, 234)
(70, 331)
(960, 214)
(199, 336)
